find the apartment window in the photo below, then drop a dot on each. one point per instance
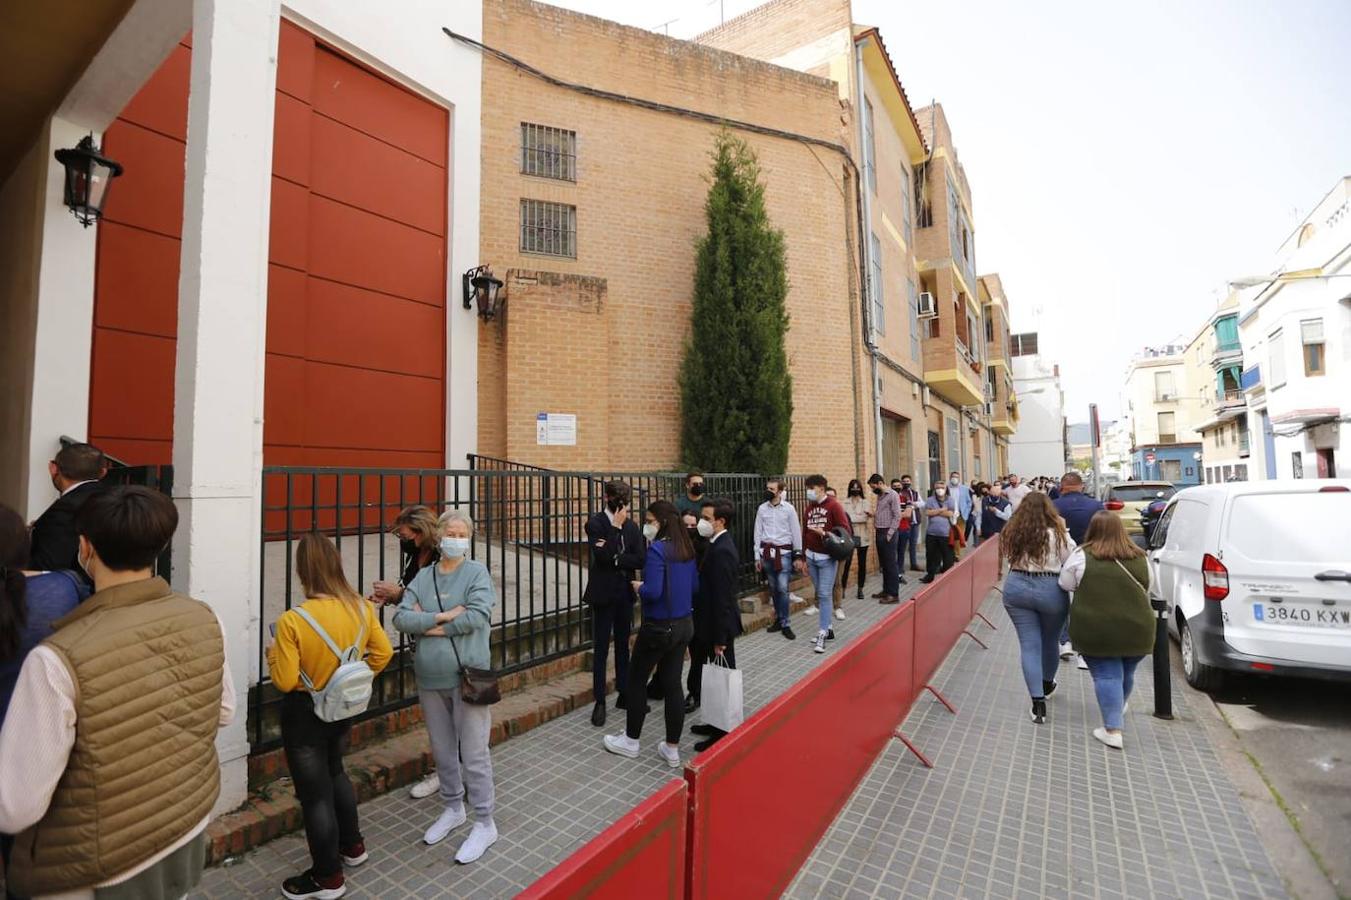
(1167, 428)
(548, 228)
(1311, 335)
(869, 148)
(905, 205)
(989, 329)
(548, 152)
(912, 296)
(923, 211)
(1163, 386)
(1297, 464)
(875, 285)
(1276, 357)
(1024, 344)
(954, 449)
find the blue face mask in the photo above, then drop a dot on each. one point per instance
(454, 548)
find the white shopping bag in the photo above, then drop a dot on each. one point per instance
(720, 695)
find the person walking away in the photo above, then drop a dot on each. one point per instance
(909, 497)
(76, 474)
(889, 522)
(1016, 491)
(690, 504)
(1036, 545)
(940, 510)
(667, 591)
(109, 791)
(859, 510)
(448, 609)
(1112, 624)
(823, 514)
(777, 540)
(418, 534)
(1077, 509)
(721, 622)
(617, 551)
(301, 662)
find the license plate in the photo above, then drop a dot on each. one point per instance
(1281, 614)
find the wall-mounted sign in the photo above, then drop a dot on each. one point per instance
(556, 429)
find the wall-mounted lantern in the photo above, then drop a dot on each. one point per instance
(483, 290)
(88, 175)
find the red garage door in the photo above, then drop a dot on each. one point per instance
(356, 285)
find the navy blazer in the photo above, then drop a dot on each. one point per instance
(55, 545)
(616, 554)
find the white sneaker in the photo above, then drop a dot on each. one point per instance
(670, 755)
(794, 598)
(1112, 740)
(819, 645)
(1125, 707)
(1066, 651)
(481, 837)
(839, 615)
(811, 610)
(622, 745)
(426, 787)
(1081, 664)
(453, 817)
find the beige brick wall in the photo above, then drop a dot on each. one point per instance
(602, 335)
(774, 30)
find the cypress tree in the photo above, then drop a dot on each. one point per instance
(735, 392)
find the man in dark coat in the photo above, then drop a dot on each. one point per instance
(617, 551)
(76, 473)
(718, 622)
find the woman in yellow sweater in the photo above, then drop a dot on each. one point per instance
(314, 748)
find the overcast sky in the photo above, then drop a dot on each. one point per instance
(1124, 160)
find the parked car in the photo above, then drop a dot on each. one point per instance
(1257, 578)
(1149, 517)
(1128, 498)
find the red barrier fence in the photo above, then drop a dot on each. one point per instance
(760, 799)
(641, 855)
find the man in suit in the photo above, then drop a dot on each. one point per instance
(76, 473)
(718, 622)
(617, 550)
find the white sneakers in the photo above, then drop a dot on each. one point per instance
(622, 745)
(1082, 663)
(811, 610)
(839, 615)
(794, 598)
(670, 755)
(819, 645)
(453, 817)
(426, 787)
(1112, 740)
(1066, 650)
(482, 836)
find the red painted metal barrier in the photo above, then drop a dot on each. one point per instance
(641, 855)
(764, 795)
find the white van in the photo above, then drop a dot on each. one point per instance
(1257, 578)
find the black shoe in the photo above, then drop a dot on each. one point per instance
(691, 703)
(1048, 688)
(655, 691)
(860, 593)
(788, 633)
(830, 634)
(703, 745)
(927, 579)
(1039, 712)
(620, 701)
(878, 596)
(305, 886)
(703, 730)
(777, 626)
(903, 581)
(598, 713)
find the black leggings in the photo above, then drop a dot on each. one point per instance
(862, 571)
(661, 646)
(314, 750)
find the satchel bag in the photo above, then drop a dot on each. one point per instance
(477, 686)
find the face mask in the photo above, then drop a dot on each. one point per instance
(905, 487)
(83, 564)
(877, 491)
(940, 494)
(771, 496)
(454, 548)
(856, 492)
(956, 481)
(705, 528)
(812, 495)
(697, 490)
(407, 547)
(650, 531)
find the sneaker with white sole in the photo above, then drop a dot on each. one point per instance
(426, 787)
(622, 745)
(670, 755)
(451, 818)
(482, 836)
(1114, 741)
(839, 615)
(794, 598)
(1066, 650)
(819, 645)
(811, 610)
(1082, 663)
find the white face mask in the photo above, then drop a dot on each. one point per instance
(454, 548)
(650, 531)
(956, 481)
(940, 494)
(812, 495)
(705, 528)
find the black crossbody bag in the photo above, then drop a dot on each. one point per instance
(477, 686)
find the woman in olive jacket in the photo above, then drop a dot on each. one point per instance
(1112, 624)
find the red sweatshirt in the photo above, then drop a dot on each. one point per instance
(827, 514)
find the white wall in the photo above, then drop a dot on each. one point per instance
(1038, 446)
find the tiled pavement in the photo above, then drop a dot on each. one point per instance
(556, 789)
(1019, 810)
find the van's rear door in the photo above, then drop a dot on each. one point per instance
(1288, 553)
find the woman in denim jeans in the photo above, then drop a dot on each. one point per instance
(1036, 545)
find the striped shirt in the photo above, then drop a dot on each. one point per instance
(887, 517)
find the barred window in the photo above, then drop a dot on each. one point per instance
(548, 228)
(548, 152)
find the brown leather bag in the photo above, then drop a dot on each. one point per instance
(477, 686)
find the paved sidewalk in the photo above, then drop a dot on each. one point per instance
(1019, 810)
(556, 789)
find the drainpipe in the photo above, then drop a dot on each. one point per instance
(865, 254)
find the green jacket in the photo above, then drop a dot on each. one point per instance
(1111, 615)
(434, 662)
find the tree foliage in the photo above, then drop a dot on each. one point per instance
(735, 392)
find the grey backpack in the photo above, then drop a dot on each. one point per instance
(348, 692)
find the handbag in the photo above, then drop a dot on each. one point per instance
(477, 686)
(720, 695)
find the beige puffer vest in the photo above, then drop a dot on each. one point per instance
(146, 664)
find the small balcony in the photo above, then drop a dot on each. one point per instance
(1251, 379)
(1230, 399)
(1226, 353)
(950, 371)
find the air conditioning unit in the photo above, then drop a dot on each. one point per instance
(926, 395)
(928, 309)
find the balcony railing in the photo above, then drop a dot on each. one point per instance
(1251, 377)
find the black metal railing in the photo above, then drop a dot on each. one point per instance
(529, 532)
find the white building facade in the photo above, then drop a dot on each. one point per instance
(1038, 446)
(1164, 407)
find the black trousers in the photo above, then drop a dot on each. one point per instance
(660, 645)
(612, 619)
(701, 653)
(888, 556)
(862, 554)
(328, 804)
(939, 555)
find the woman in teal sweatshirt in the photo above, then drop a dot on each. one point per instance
(448, 609)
